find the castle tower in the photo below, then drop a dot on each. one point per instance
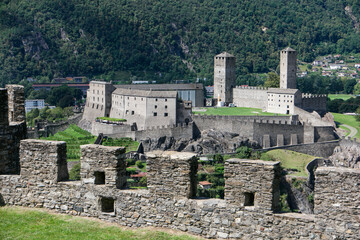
(288, 68)
(224, 77)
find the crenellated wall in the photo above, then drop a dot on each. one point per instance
(12, 127)
(314, 102)
(247, 212)
(253, 97)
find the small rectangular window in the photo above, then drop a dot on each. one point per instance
(249, 199)
(107, 204)
(166, 114)
(155, 106)
(165, 106)
(155, 114)
(132, 112)
(99, 178)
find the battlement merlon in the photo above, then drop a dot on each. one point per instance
(252, 183)
(43, 161)
(172, 174)
(103, 165)
(16, 102)
(4, 116)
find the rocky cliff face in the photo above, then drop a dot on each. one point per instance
(346, 155)
(210, 142)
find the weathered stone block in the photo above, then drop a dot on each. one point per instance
(252, 183)
(43, 161)
(172, 174)
(103, 165)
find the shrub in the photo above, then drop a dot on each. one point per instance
(243, 152)
(75, 172)
(139, 164)
(143, 182)
(284, 206)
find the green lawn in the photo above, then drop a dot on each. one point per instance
(290, 160)
(235, 111)
(347, 119)
(74, 136)
(340, 96)
(24, 223)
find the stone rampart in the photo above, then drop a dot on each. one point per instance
(314, 102)
(253, 97)
(16, 102)
(167, 204)
(180, 130)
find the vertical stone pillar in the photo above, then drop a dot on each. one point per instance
(266, 141)
(280, 140)
(4, 116)
(336, 202)
(293, 139)
(43, 161)
(16, 101)
(252, 183)
(103, 165)
(172, 174)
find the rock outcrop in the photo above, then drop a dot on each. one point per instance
(346, 155)
(210, 142)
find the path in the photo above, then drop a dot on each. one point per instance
(353, 131)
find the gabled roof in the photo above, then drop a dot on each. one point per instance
(224, 54)
(283, 90)
(145, 93)
(289, 49)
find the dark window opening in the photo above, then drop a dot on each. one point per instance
(166, 114)
(132, 112)
(249, 199)
(155, 114)
(107, 204)
(155, 106)
(99, 177)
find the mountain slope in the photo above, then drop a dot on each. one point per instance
(166, 39)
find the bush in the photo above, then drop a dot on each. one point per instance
(130, 161)
(143, 182)
(243, 152)
(139, 164)
(130, 171)
(284, 206)
(75, 172)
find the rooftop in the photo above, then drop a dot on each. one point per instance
(224, 54)
(289, 49)
(283, 90)
(145, 93)
(162, 87)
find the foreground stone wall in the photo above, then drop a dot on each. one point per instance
(210, 218)
(337, 202)
(12, 128)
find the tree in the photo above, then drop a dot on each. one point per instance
(357, 89)
(349, 85)
(272, 81)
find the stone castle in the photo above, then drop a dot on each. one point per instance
(154, 110)
(285, 100)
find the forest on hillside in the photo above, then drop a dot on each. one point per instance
(165, 40)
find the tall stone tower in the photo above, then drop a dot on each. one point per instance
(288, 68)
(224, 77)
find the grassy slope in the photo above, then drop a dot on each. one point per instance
(75, 136)
(349, 120)
(235, 111)
(22, 223)
(290, 160)
(340, 96)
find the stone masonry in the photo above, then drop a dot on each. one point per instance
(252, 183)
(12, 127)
(48, 163)
(103, 165)
(336, 196)
(172, 174)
